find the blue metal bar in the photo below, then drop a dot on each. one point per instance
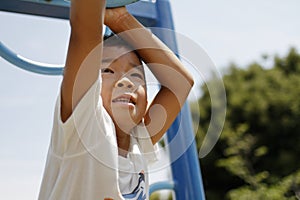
(29, 65)
(52, 8)
(144, 11)
(185, 168)
(163, 185)
(36, 8)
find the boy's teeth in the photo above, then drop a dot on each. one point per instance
(125, 100)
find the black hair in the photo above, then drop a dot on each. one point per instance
(112, 40)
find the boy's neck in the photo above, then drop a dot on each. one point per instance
(123, 140)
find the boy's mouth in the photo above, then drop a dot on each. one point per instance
(125, 98)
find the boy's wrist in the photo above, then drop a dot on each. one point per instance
(125, 22)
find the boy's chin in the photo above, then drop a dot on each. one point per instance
(123, 111)
(126, 120)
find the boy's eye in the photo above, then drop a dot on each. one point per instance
(107, 70)
(137, 75)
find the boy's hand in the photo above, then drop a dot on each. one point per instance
(114, 15)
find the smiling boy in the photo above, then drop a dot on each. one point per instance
(104, 130)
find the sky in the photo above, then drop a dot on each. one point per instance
(229, 31)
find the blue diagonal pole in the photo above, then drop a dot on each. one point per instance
(185, 168)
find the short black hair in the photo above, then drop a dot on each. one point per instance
(114, 40)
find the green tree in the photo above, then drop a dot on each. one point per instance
(257, 155)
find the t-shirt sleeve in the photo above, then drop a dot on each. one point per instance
(86, 107)
(83, 155)
(89, 124)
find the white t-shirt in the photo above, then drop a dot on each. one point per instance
(83, 161)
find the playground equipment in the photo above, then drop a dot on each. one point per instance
(187, 180)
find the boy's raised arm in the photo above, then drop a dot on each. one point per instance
(83, 59)
(176, 82)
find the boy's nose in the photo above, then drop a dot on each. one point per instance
(124, 82)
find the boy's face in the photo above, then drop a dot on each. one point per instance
(123, 87)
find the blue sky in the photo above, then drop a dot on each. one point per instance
(232, 30)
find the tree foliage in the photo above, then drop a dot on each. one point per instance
(257, 155)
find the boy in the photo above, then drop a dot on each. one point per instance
(103, 128)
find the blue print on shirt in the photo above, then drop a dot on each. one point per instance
(139, 191)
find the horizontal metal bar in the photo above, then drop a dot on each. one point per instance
(35, 8)
(164, 185)
(144, 11)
